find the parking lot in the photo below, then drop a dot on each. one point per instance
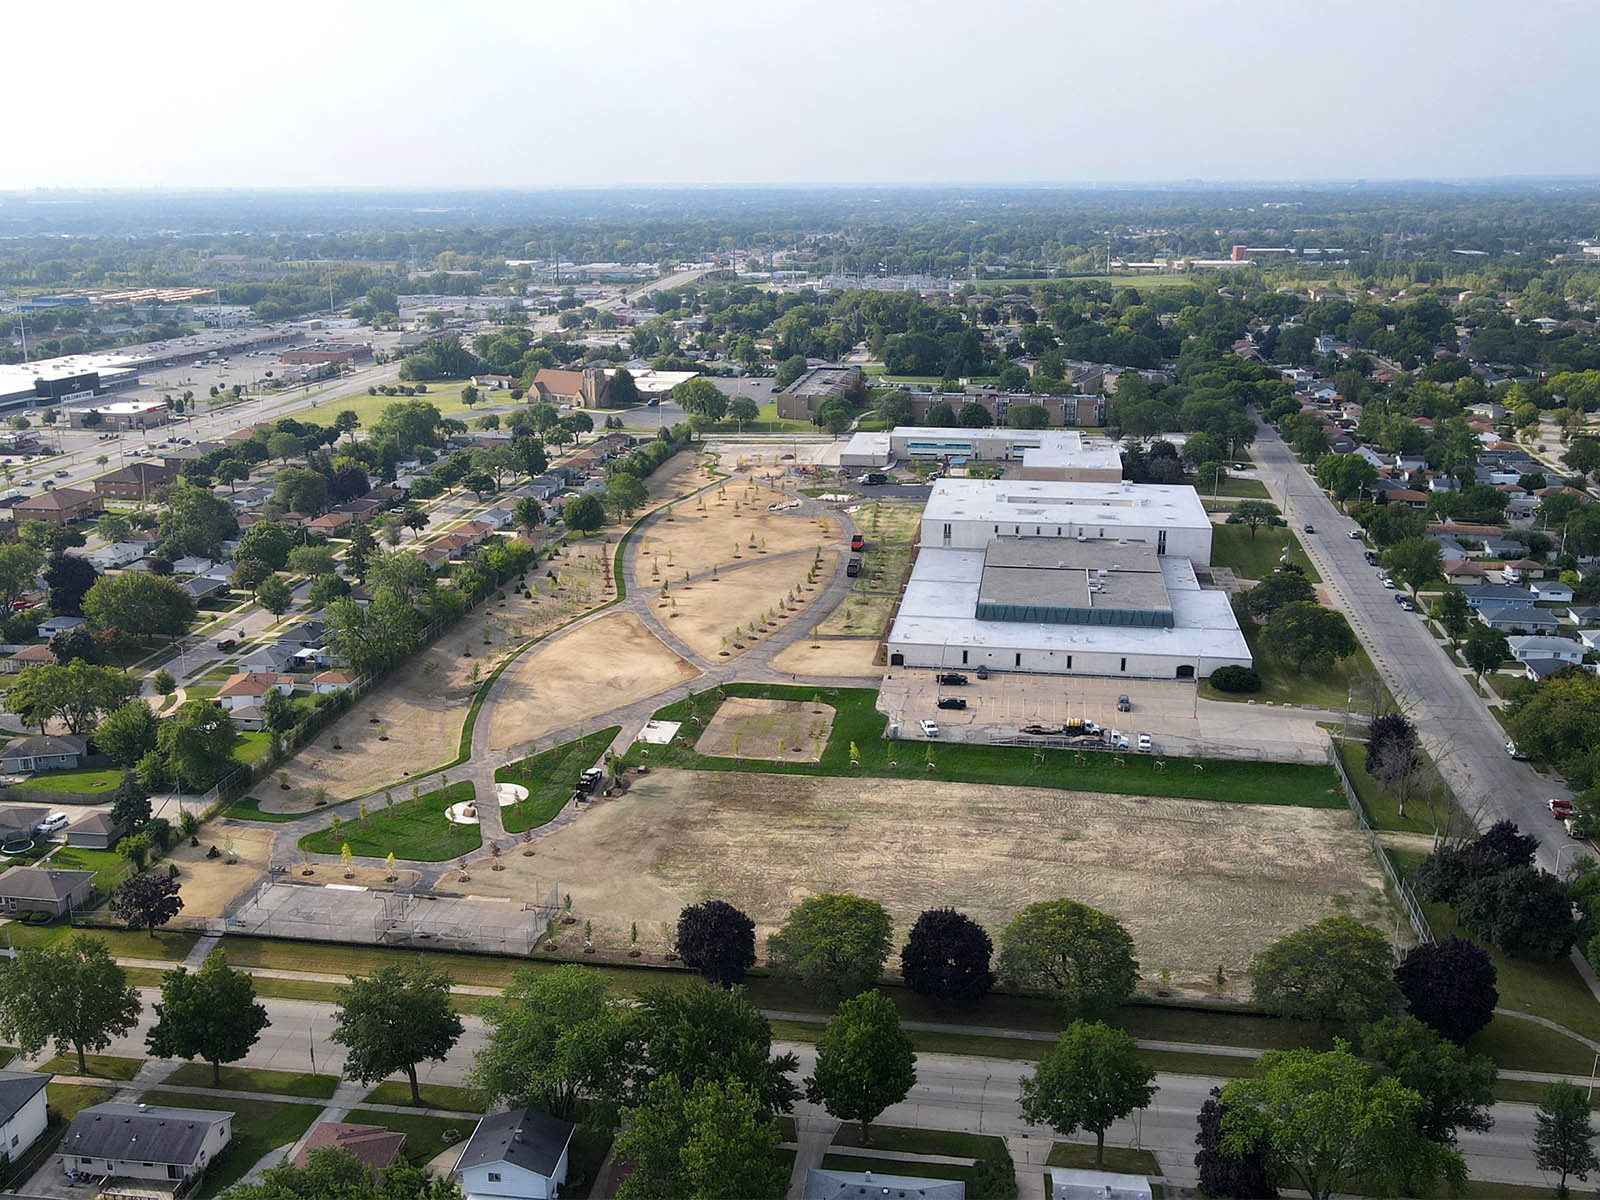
(1169, 710)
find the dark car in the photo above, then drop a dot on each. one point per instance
(983, 672)
(952, 702)
(1310, 528)
(226, 644)
(953, 679)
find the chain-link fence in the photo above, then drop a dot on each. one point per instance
(1408, 899)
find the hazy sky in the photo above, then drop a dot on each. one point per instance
(539, 93)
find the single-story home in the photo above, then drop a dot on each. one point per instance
(1464, 571)
(329, 523)
(374, 1145)
(54, 625)
(22, 1111)
(1542, 668)
(47, 752)
(248, 718)
(203, 587)
(1524, 648)
(1497, 593)
(17, 823)
(251, 687)
(45, 890)
(1588, 614)
(95, 831)
(825, 1184)
(145, 1141)
(192, 564)
(272, 658)
(434, 557)
(1553, 590)
(1069, 1184)
(29, 656)
(310, 632)
(1518, 618)
(118, 554)
(333, 681)
(515, 1155)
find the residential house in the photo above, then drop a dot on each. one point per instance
(44, 890)
(1403, 495)
(136, 481)
(22, 1111)
(204, 587)
(329, 682)
(1567, 650)
(1553, 590)
(434, 557)
(58, 507)
(47, 752)
(118, 554)
(1069, 1184)
(248, 718)
(192, 564)
(310, 632)
(515, 1155)
(176, 460)
(373, 1145)
(55, 625)
(17, 824)
(1464, 571)
(1587, 614)
(1407, 463)
(1372, 456)
(330, 523)
(1497, 593)
(824, 1184)
(147, 1142)
(251, 688)
(1542, 668)
(1499, 546)
(29, 656)
(273, 658)
(1450, 550)
(95, 831)
(1518, 618)
(1529, 568)
(498, 517)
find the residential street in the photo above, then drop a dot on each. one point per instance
(952, 1092)
(1456, 727)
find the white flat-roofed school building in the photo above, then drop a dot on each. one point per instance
(1058, 454)
(1065, 578)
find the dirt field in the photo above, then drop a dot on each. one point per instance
(594, 668)
(695, 539)
(832, 656)
(209, 885)
(1199, 884)
(781, 730)
(709, 611)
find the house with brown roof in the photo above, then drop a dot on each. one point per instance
(133, 482)
(1460, 570)
(29, 656)
(251, 687)
(60, 506)
(375, 1146)
(330, 522)
(589, 388)
(329, 682)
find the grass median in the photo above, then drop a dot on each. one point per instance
(414, 830)
(550, 778)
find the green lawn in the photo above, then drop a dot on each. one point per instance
(256, 1079)
(167, 945)
(253, 747)
(444, 395)
(857, 722)
(1118, 1158)
(248, 808)
(258, 1126)
(1282, 684)
(415, 830)
(1255, 557)
(549, 778)
(922, 1141)
(434, 1095)
(1237, 489)
(101, 1066)
(1383, 812)
(84, 783)
(424, 1134)
(109, 867)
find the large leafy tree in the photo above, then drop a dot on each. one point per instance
(1090, 1078)
(267, 542)
(1563, 1140)
(394, 1019)
(701, 397)
(717, 940)
(697, 1033)
(1338, 970)
(212, 1015)
(1275, 591)
(147, 901)
(1449, 986)
(196, 744)
(947, 957)
(1080, 955)
(1415, 562)
(865, 1061)
(69, 579)
(1329, 1123)
(836, 943)
(1557, 722)
(19, 566)
(1484, 649)
(72, 992)
(1456, 1088)
(1310, 636)
(373, 638)
(127, 734)
(331, 1173)
(139, 604)
(76, 694)
(712, 1140)
(1524, 911)
(1242, 1175)
(190, 520)
(552, 1037)
(1253, 514)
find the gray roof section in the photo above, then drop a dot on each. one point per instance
(145, 1133)
(524, 1137)
(17, 1088)
(42, 883)
(95, 822)
(12, 818)
(823, 1184)
(46, 744)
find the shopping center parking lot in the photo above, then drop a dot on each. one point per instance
(1167, 709)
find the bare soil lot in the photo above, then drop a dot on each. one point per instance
(1199, 884)
(830, 657)
(781, 730)
(696, 539)
(209, 885)
(608, 662)
(708, 613)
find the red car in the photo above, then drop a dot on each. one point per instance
(226, 644)
(858, 542)
(1559, 808)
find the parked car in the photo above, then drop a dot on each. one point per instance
(1354, 534)
(1144, 743)
(956, 702)
(1560, 808)
(953, 679)
(1123, 704)
(1511, 749)
(226, 644)
(1386, 581)
(857, 542)
(61, 474)
(53, 822)
(1405, 603)
(930, 729)
(1372, 558)
(983, 672)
